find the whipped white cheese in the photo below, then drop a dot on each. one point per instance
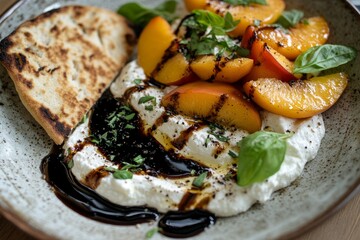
(223, 197)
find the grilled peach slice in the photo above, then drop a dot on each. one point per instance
(174, 71)
(158, 54)
(153, 42)
(299, 99)
(298, 39)
(222, 70)
(268, 13)
(216, 102)
(269, 63)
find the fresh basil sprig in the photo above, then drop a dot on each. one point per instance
(323, 57)
(245, 2)
(261, 155)
(290, 18)
(207, 35)
(140, 15)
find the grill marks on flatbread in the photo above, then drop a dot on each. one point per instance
(63, 60)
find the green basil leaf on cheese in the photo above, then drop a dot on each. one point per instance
(261, 155)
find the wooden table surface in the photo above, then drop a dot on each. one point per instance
(344, 225)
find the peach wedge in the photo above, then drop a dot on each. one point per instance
(222, 70)
(268, 63)
(153, 42)
(297, 99)
(298, 39)
(216, 102)
(174, 71)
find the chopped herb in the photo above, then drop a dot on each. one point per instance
(207, 141)
(199, 180)
(218, 132)
(192, 172)
(232, 154)
(130, 116)
(122, 174)
(112, 157)
(139, 159)
(146, 99)
(70, 164)
(129, 126)
(152, 232)
(149, 108)
(110, 169)
(138, 81)
(117, 120)
(84, 119)
(245, 2)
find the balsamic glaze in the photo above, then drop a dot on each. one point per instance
(185, 224)
(130, 143)
(84, 200)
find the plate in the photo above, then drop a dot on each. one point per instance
(332, 177)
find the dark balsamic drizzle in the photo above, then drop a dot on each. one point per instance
(84, 200)
(131, 143)
(185, 224)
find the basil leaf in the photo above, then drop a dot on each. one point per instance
(218, 24)
(290, 18)
(261, 155)
(122, 174)
(245, 2)
(140, 15)
(199, 180)
(145, 99)
(323, 57)
(70, 164)
(151, 232)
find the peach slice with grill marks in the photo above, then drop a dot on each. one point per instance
(267, 14)
(223, 70)
(297, 99)
(174, 71)
(298, 39)
(154, 40)
(158, 54)
(217, 102)
(268, 63)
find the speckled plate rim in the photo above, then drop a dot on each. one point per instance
(352, 191)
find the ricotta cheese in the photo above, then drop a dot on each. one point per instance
(222, 196)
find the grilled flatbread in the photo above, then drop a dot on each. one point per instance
(63, 60)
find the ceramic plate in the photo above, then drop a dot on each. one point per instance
(326, 181)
